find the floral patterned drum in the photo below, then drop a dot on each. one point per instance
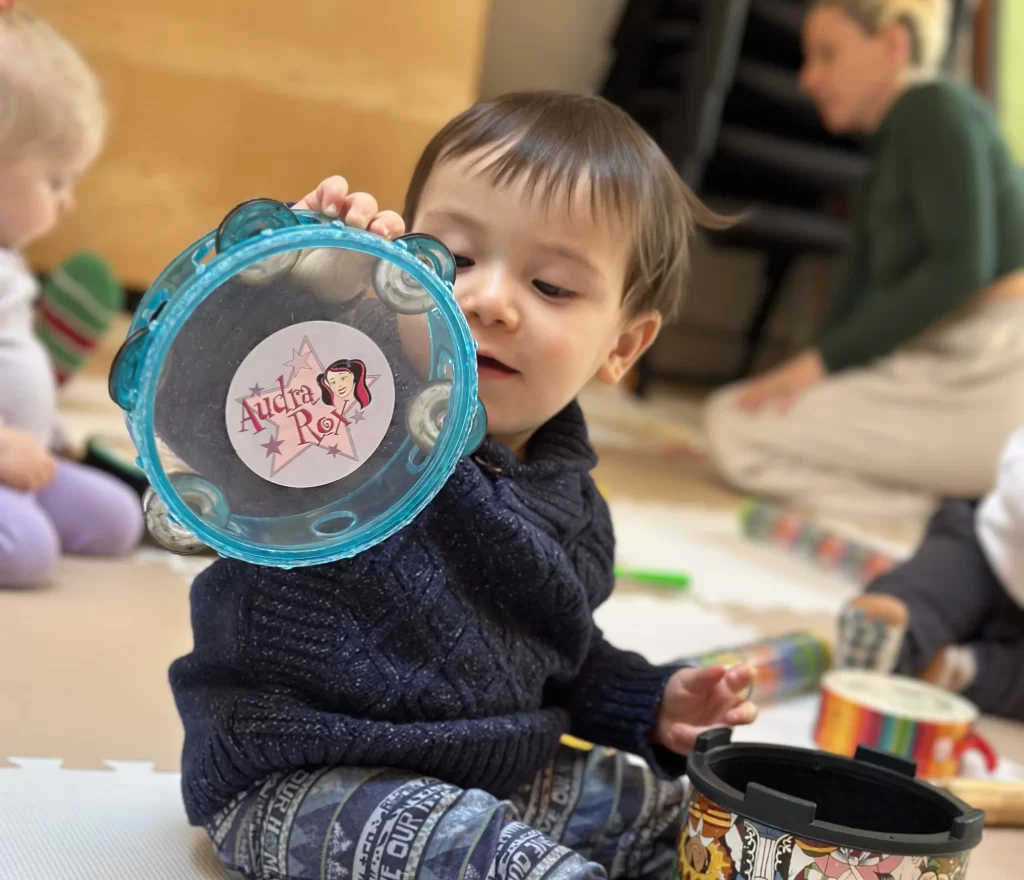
(761, 812)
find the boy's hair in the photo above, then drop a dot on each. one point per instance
(554, 142)
(927, 21)
(49, 96)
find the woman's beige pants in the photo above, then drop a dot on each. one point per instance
(929, 421)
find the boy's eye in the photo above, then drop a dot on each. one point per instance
(462, 262)
(551, 290)
(58, 185)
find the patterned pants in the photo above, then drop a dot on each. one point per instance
(590, 814)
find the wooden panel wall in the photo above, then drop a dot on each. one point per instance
(217, 101)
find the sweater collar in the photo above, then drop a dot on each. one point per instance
(559, 444)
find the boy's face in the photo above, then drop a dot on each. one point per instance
(35, 191)
(541, 287)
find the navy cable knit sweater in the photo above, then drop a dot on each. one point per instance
(462, 647)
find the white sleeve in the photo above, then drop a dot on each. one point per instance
(1000, 520)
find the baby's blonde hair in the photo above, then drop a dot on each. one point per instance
(49, 97)
(928, 22)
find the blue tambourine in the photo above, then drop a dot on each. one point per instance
(298, 390)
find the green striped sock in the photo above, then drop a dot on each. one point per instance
(79, 301)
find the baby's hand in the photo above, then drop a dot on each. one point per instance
(700, 698)
(25, 464)
(356, 209)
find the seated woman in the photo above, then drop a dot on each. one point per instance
(916, 379)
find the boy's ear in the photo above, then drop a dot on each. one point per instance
(635, 338)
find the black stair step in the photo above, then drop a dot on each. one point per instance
(784, 15)
(767, 225)
(826, 166)
(775, 84)
(684, 8)
(674, 33)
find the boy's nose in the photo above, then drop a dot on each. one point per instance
(490, 300)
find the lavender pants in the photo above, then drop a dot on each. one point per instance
(83, 511)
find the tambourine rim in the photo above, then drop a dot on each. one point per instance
(206, 280)
(966, 711)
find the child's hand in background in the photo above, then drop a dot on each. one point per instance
(359, 210)
(25, 464)
(700, 698)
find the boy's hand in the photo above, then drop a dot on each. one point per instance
(25, 464)
(700, 698)
(356, 209)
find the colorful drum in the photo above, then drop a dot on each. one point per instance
(902, 716)
(784, 666)
(762, 812)
(297, 390)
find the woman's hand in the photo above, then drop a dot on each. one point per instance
(699, 698)
(25, 464)
(780, 388)
(359, 210)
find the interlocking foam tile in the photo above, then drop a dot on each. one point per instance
(123, 823)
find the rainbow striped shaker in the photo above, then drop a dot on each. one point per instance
(769, 523)
(783, 665)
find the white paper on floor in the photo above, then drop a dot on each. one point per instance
(666, 629)
(726, 568)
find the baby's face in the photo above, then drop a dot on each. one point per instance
(35, 191)
(541, 288)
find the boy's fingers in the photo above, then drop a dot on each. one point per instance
(739, 678)
(745, 713)
(328, 197)
(361, 209)
(700, 677)
(388, 224)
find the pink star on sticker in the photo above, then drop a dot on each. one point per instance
(300, 360)
(256, 391)
(333, 451)
(273, 446)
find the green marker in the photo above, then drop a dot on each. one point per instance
(675, 580)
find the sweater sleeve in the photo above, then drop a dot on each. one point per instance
(951, 188)
(614, 702)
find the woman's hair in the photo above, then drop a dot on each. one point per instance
(927, 21)
(555, 142)
(359, 387)
(49, 96)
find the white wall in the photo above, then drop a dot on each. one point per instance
(548, 44)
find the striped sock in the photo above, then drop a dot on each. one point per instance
(78, 302)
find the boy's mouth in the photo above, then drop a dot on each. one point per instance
(491, 368)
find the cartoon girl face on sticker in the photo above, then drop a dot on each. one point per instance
(344, 380)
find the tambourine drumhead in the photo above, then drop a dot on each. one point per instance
(899, 696)
(279, 398)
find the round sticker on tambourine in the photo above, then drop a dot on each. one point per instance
(310, 404)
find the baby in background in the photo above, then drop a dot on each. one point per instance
(401, 713)
(52, 123)
(953, 613)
